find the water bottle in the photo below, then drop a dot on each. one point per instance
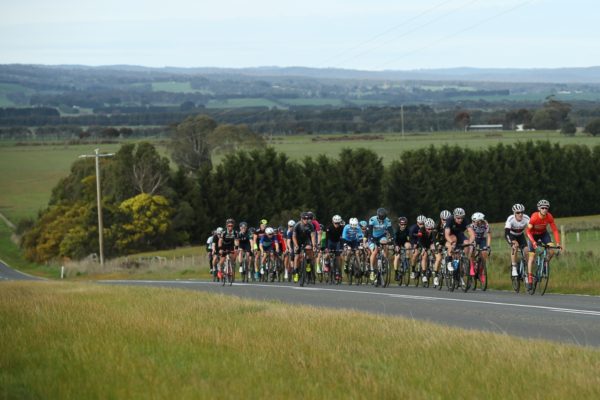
(455, 264)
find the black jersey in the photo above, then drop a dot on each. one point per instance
(401, 237)
(455, 227)
(303, 232)
(414, 232)
(426, 238)
(228, 238)
(334, 233)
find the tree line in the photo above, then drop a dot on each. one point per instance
(148, 206)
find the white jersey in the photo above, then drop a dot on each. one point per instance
(516, 228)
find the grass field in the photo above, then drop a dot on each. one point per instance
(174, 87)
(73, 341)
(237, 103)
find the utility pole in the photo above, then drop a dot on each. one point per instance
(97, 156)
(402, 118)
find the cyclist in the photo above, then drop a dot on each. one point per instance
(209, 249)
(258, 234)
(414, 232)
(289, 254)
(333, 233)
(269, 246)
(379, 227)
(364, 227)
(483, 238)
(454, 232)
(401, 240)
(514, 233)
(245, 245)
(303, 237)
(426, 241)
(537, 229)
(440, 245)
(228, 243)
(215, 249)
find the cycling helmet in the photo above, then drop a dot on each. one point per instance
(543, 203)
(421, 219)
(363, 223)
(518, 208)
(304, 215)
(336, 219)
(291, 222)
(269, 231)
(263, 221)
(252, 231)
(445, 214)
(281, 229)
(381, 213)
(243, 224)
(230, 221)
(354, 222)
(429, 223)
(459, 212)
(403, 220)
(310, 214)
(219, 230)
(477, 217)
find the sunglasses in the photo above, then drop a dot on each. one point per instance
(230, 226)
(543, 208)
(459, 217)
(519, 212)
(428, 229)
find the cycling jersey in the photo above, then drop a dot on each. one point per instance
(244, 240)
(401, 237)
(258, 234)
(352, 235)
(228, 239)
(215, 242)
(303, 233)
(440, 238)
(334, 233)
(209, 242)
(515, 227)
(481, 231)
(281, 242)
(414, 232)
(378, 229)
(268, 243)
(455, 227)
(538, 226)
(425, 239)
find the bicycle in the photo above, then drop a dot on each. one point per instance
(521, 271)
(442, 272)
(228, 272)
(307, 274)
(404, 267)
(480, 269)
(542, 272)
(244, 270)
(382, 273)
(332, 272)
(460, 275)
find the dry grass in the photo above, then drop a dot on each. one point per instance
(87, 341)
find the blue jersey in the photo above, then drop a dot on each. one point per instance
(378, 228)
(352, 234)
(268, 242)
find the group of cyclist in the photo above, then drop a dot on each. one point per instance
(425, 238)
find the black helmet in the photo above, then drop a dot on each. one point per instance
(304, 215)
(381, 213)
(402, 220)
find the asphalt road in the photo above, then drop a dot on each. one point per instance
(564, 318)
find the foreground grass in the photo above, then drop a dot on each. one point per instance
(86, 341)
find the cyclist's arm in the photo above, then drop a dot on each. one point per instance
(447, 233)
(471, 235)
(530, 235)
(555, 232)
(507, 236)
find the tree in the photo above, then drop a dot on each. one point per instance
(593, 127)
(462, 119)
(568, 128)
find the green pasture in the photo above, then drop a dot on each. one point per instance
(81, 340)
(239, 103)
(312, 102)
(173, 87)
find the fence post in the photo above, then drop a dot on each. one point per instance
(577, 237)
(62, 272)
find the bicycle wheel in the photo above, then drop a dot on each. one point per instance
(440, 275)
(303, 273)
(482, 275)
(231, 273)
(405, 272)
(350, 274)
(426, 275)
(544, 277)
(465, 276)
(516, 280)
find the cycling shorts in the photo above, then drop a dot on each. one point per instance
(520, 239)
(481, 243)
(353, 244)
(245, 246)
(334, 246)
(544, 237)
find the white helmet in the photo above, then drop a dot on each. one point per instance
(518, 208)
(477, 217)
(445, 214)
(219, 230)
(291, 222)
(459, 212)
(269, 231)
(421, 219)
(354, 222)
(429, 223)
(336, 219)
(543, 203)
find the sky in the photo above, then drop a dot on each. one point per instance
(351, 34)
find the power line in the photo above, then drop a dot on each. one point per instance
(444, 38)
(404, 34)
(393, 28)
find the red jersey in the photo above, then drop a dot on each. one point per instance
(538, 226)
(281, 241)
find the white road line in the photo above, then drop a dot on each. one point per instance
(393, 295)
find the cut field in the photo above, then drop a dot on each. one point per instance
(74, 341)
